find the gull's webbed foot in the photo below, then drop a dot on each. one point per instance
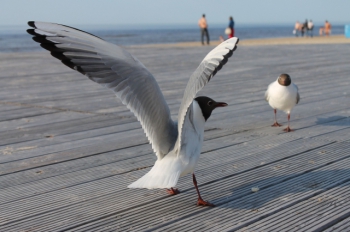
(172, 191)
(276, 124)
(288, 129)
(201, 202)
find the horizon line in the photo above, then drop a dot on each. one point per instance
(182, 24)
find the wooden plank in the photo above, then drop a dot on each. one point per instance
(77, 179)
(322, 210)
(66, 123)
(95, 155)
(254, 207)
(343, 225)
(189, 184)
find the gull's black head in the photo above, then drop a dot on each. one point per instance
(284, 79)
(207, 105)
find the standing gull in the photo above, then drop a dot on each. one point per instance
(177, 145)
(282, 94)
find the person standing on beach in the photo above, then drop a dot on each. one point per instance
(304, 29)
(327, 28)
(310, 28)
(202, 23)
(296, 29)
(231, 25)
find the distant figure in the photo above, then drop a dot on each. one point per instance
(202, 23)
(304, 28)
(310, 28)
(296, 29)
(327, 28)
(231, 25)
(321, 31)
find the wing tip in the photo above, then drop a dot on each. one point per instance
(32, 32)
(50, 47)
(31, 24)
(79, 30)
(235, 39)
(41, 39)
(58, 55)
(69, 64)
(225, 59)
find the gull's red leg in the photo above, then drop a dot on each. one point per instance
(276, 124)
(172, 191)
(200, 200)
(288, 128)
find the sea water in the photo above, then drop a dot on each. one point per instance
(15, 39)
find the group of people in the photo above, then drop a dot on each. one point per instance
(308, 26)
(203, 25)
(304, 28)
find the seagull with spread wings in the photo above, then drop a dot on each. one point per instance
(177, 145)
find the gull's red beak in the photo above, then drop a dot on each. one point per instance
(220, 104)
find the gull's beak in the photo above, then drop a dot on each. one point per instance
(220, 104)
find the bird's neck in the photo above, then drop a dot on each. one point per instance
(197, 119)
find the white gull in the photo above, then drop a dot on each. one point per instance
(177, 145)
(283, 95)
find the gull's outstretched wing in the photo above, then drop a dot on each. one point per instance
(209, 66)
(114, 68)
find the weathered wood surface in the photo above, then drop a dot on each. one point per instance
(68, 148)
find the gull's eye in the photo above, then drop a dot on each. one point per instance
(210, 103)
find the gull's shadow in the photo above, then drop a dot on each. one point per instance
(334, 121)
(280, 188)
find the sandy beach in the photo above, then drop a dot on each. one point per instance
(335, 39)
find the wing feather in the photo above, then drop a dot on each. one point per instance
(114, 68)
(298, 98)
(210, 65)
(297, 90)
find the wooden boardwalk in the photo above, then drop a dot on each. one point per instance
(68, 148)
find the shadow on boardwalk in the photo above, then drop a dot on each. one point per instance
(284, 188)
(334, 121)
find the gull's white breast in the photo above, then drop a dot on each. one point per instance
(282, 97)
(192, 139)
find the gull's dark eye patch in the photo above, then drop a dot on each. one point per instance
(210, 103)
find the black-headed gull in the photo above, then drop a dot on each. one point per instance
(282, 94)
(176, 144)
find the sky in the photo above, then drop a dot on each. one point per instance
(145, 13)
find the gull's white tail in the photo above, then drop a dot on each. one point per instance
(164, 174)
